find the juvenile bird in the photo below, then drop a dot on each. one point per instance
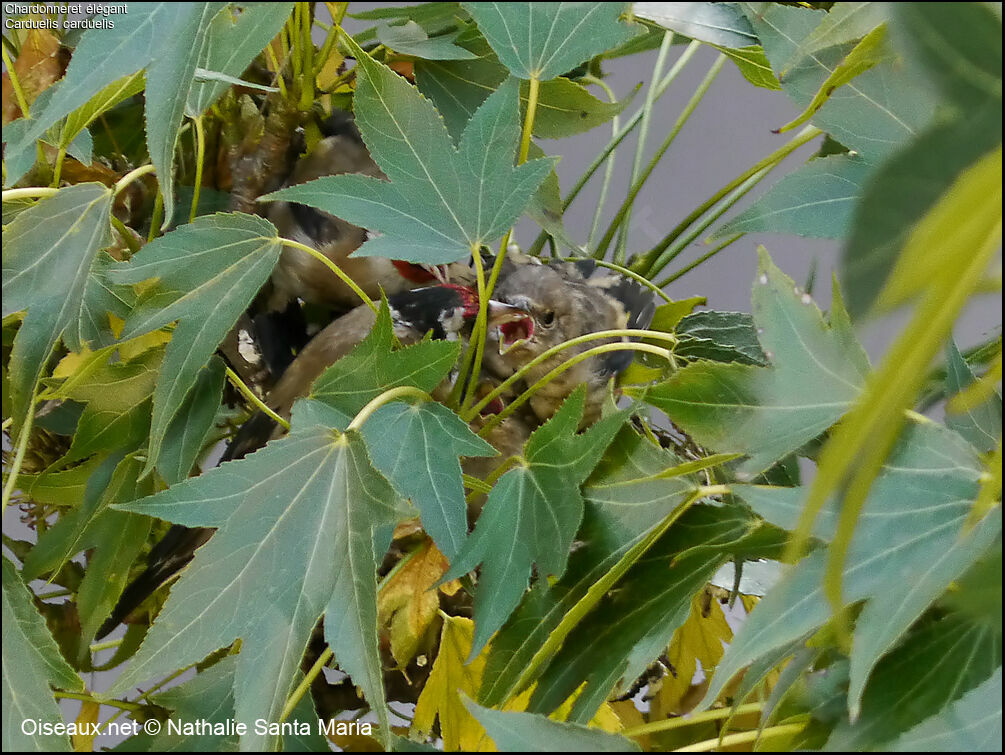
(445, 311)
(564, 300)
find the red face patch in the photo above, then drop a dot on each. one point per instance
(468, 296)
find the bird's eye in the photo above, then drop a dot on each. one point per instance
(548, 319)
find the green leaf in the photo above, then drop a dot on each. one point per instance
(441, 202)
(232, 42)
(753, 64)
(961, 654)
(635, 622)
(719, 336)
(49, 251)
(77, 122)
(843, 23)
(416, 447)
(816, 200)
(170, 75)
(958, 47)
(185, 436)
(930, 470)
(188, 703)
(815, 374)
(117, 538)
(545, 40)
(301, 513)
(981, 425)
(532, 514)
(626, 496)
(870, 51)
(525, 732)
(721, 24)
(102, 57)
(876, 113)
(434, 18)
(902, 191)
(371, 368)
(31, 665)
(207, 274)
(973, 724)
(566, 107)
(411, 39)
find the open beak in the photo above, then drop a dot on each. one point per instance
(512, 326)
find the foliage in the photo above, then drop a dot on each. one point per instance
(348, 575)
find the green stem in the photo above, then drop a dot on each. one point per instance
(127, 238)
(704, 258)
(158, 214)
(597, 591)
(249, 394)
(29, 192)
(524, 369)
(131, 176)
(806, 134)
(695, 718)
(121, 704)
(609, 163)
(528, 121)
(15, 82)
(720, 209)
(616, 140)
(623, 215)
(567, 365)
(307, 67)
(628, 273)
(57, 170)
(22, 446)
(333, 267)
(200, 157)
(743, 737)
(640, 146)
(480, 332)
(305, 683)
(385, 398)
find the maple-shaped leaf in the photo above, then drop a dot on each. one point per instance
(532, 513)
(295, 541)
(207, 273)
(32, 665)
(50, 253)
(442, 201)
(816, 370)
(372, 367)
(452, 676)
(545, 40)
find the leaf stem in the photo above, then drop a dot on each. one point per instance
(609, 166)
(131, 176)
(57, 169)
(468, 380)
(704, 258)
(647, 262)
(15, 82)
(742, 737)
(385, 398)
(524, 369)
(305, 683)
(22, 446)
(640, 149)
(616, 140)
(569, 364)
(249, 394)
(121, 704)
(28, 192)
(333, 267)
(623, 215)
(528, 121)
(158, 214)
(593, 595)
(200, 156)
(695, 718)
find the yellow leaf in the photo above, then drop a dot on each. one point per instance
(698, 639)
(408, 599)
(88, 715)
(441, 695)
